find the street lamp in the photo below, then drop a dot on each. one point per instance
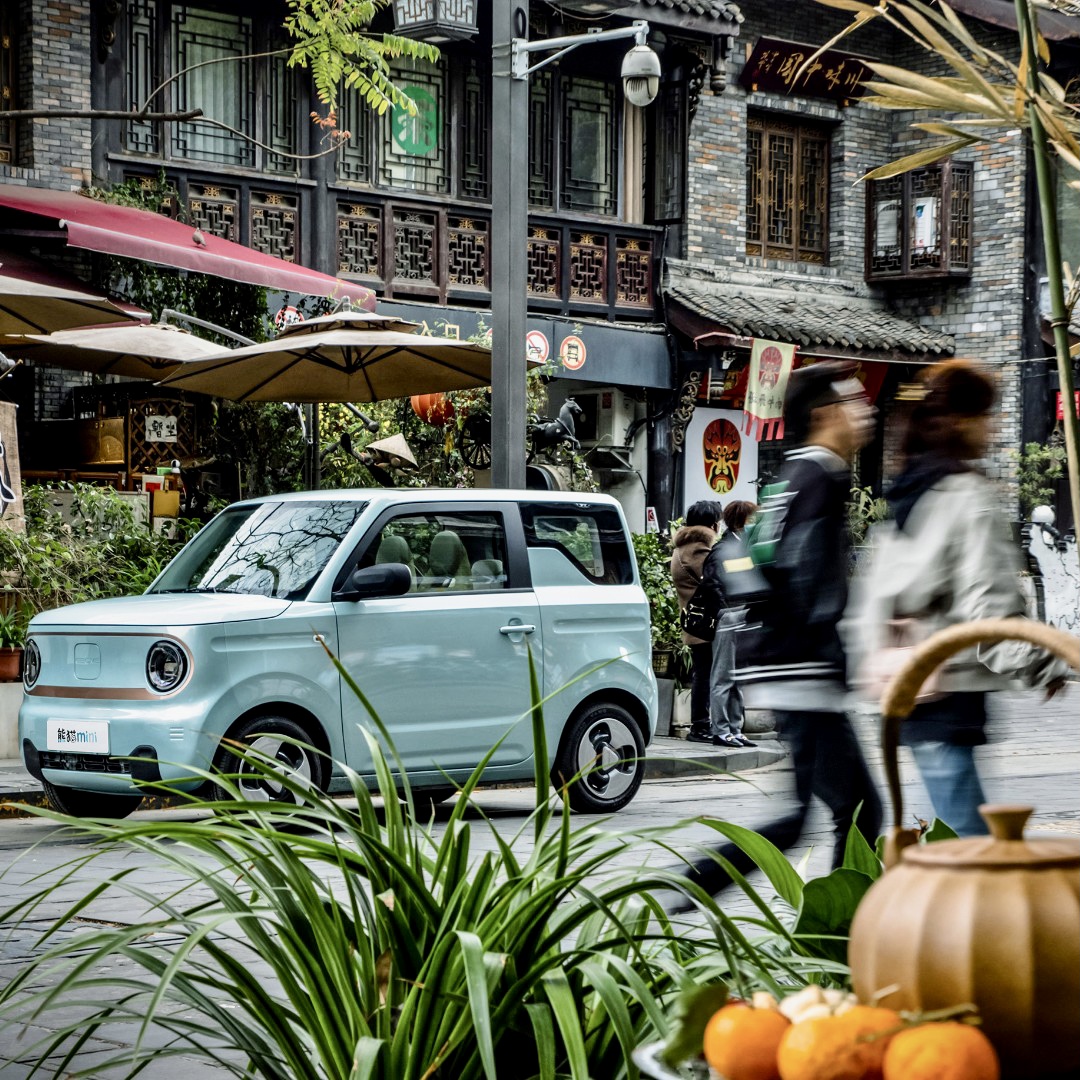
(510, 211)
(437, 21)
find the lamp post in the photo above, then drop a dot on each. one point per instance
(510, 210)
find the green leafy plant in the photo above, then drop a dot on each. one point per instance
(95, 549)
(12, 628)
(863, 510)
(654, 568)
(1038, 468)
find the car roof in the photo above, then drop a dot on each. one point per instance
(390, 496)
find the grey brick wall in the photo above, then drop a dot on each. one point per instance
(985, 314)
(54, 70)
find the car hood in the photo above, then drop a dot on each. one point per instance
(162, 609)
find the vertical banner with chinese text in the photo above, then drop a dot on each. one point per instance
(770, 368)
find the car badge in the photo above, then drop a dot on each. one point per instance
(87, 661)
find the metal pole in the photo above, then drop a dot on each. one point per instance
(509, 225)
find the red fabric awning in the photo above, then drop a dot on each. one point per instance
(141, 234)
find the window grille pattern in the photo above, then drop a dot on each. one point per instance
(354, 160)
(475, 178)
(633, 271)
(541, 139)
(7, 85)
(919, 223)
(467, 252)
(787, 190)
(545, 268)
(282, 109)
(359, 239)
(668, 154)
(141, 137)
(588, 267)
(224, 91)
(274, 224)
(415, 248)
(215, 210)
(588, 147)
(416, 149)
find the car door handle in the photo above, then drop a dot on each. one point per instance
(518, 628)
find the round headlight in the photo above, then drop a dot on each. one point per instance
(31, 663)
(166, 666)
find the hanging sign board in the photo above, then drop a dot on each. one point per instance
(721, 462)
(774, 66)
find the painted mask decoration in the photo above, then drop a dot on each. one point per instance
(721, 451)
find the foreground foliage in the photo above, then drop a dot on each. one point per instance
(315, 939)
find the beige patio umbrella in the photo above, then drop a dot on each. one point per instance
(355, 360)
(148, 351)
(32, 307)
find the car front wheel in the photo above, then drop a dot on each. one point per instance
(90, 804)
(270, 737)
(604, 750)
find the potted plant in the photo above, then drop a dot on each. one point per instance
(12, 638)
(654, 561)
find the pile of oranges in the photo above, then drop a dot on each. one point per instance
(826, 1035)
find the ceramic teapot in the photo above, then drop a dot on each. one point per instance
(991, 920)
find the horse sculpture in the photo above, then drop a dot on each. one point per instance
(550, 433)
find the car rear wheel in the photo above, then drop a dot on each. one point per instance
(269, 736)
(603, 745)
(90, 804)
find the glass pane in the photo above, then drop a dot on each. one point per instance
(781, 190)
(415, 149)
(281, 108)
(271, 549)
(541, 141)
(224, 91)
(354, 159)
(591, 539)
(887, 199)
(475, 177)
(925, 222)
(588, 171)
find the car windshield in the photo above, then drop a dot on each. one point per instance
(271, 549)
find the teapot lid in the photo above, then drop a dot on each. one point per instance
(1004, 849)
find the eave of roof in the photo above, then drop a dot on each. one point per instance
(810, 319)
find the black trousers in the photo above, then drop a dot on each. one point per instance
(828, 763)
(700, 680)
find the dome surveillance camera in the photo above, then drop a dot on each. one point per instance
(641, 75)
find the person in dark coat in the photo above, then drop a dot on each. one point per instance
(692, 543)
(789, 655)
(727, 711)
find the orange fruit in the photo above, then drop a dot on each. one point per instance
(835, 1047)
(741, 1041)
(945, 1051)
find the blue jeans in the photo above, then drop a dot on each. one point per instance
(952, 782)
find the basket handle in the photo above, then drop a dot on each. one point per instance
(899, 697)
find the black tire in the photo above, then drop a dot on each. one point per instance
(90, 804)
(605, 745)
(259, 733)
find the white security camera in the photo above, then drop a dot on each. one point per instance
(641, 75)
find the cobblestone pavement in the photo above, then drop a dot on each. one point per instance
(1034, 758)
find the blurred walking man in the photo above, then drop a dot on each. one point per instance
(790, 658)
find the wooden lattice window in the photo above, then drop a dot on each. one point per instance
(160, 430)
(7, 84)
(787, 190)
(919, 223)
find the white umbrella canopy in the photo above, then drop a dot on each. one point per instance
(147, 351)
(35, 307)
(349, 319)
(360, 363)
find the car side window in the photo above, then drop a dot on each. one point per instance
(445, 552)
(591, 538)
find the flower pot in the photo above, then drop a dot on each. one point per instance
(663, 663)
(10, 665)
(990, 920)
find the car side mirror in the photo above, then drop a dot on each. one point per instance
(383, 579)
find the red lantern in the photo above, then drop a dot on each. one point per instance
(434, 409)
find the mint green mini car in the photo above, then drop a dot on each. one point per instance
(432, 600)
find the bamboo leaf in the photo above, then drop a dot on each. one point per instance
(918, 160)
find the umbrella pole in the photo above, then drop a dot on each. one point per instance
(316, 456)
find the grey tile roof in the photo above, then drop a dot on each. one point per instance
(710, 9)
(806, 318)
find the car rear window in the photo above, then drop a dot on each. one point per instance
(590, 537)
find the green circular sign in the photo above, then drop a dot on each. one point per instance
(417, 135)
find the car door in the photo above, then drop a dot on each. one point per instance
(444, 665)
